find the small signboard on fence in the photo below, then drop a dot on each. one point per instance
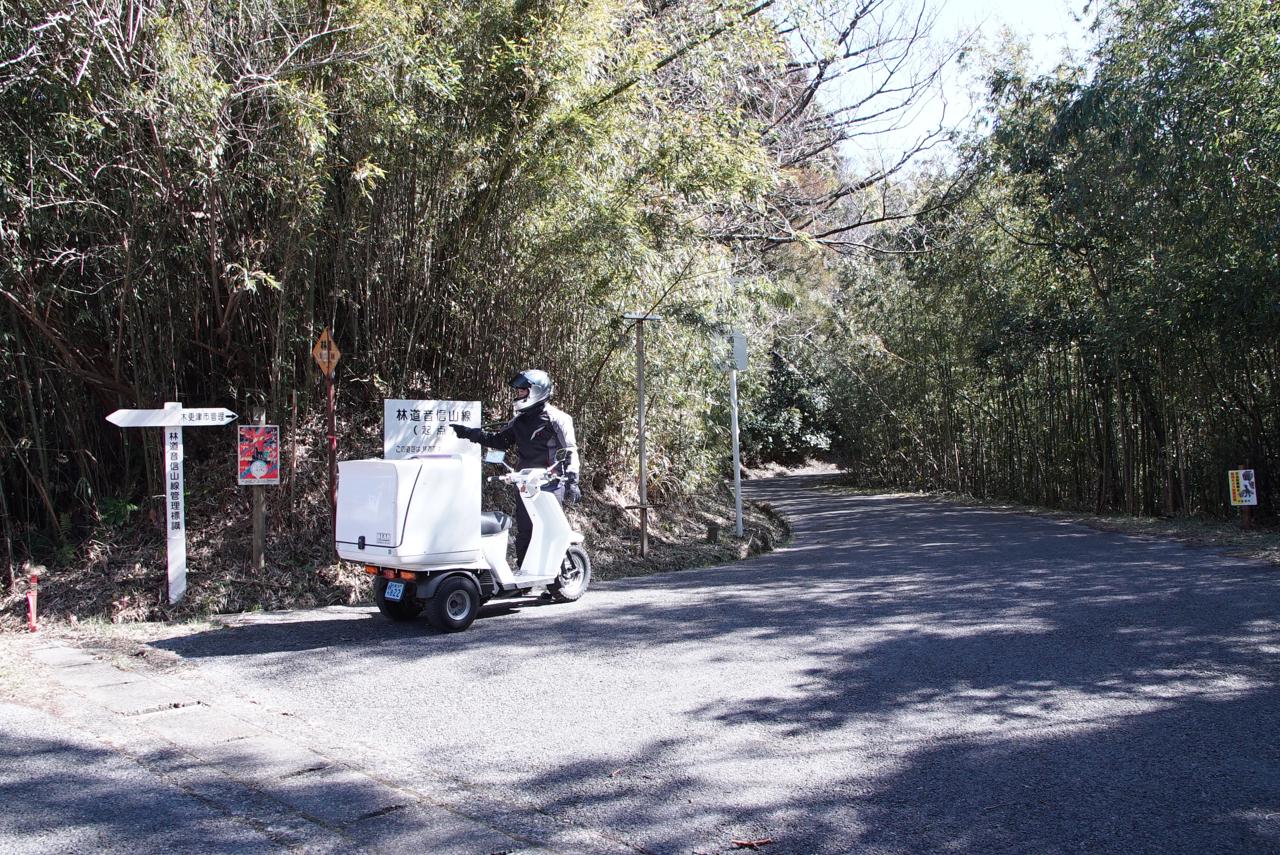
(258, 461)
(1244, 489)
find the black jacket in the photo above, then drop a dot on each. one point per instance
(537, 433)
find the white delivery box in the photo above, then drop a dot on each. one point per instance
(418, 513)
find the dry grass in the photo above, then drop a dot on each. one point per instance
(119, 576)
(1259, 542)
(687, 533)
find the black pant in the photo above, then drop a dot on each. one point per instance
(524, 525)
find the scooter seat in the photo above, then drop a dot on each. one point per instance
(494, 522)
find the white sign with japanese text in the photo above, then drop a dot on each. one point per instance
(172, 418)
(413, 428)
(207, 417)
(175, 514)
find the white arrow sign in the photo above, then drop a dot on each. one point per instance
(196, 417)
(174, 418)
(145, 418)
(206, 416)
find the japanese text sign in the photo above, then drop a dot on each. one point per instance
(1244, 490)
(413, 428)
(326, 353)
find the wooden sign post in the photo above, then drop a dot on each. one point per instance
(173, 418)
(258, 464)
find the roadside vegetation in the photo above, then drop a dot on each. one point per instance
(1066, 301)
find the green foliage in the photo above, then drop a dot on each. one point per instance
(790, 420)
(1094, 326)
(190, 193)
(115, 512)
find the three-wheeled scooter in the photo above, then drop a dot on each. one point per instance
(417, 526)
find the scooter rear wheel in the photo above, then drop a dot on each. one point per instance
(397, 610)
(574, 578)
(455, 604)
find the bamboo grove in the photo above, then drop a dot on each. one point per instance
(192, 190)
(1077, 307)
(1097, 325)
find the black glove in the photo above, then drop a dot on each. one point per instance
(464, 432)
(572, 495)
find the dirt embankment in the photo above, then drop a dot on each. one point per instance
(118, 575)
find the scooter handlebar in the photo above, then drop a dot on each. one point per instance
(524, 476)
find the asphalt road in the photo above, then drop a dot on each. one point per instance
(906, 676)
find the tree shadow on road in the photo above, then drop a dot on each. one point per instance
(951, 680)
(965, 681)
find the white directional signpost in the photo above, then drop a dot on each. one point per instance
(173, 418)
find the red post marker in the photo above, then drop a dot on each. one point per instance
(32, 590)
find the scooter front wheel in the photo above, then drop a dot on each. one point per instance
(574, 578)
(455, 604)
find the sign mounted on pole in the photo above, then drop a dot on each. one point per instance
(207, 416)
(258, 458)
(177, 417)
(1244, 489)
(173, 418)
(146, 418)
(175, 513)
(737, 351)
(411, 428)
(326, 353)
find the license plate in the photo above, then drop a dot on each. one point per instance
(395, 590)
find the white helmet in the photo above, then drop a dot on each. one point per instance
(528, 388)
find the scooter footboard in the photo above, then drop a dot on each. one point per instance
(494, 547)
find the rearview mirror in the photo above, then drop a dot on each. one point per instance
(495, 455)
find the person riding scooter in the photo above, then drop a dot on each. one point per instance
(538, 430)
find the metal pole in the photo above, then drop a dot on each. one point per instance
(644, 475)
(333, 456)
(737, 461)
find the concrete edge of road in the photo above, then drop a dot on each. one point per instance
(294, 784)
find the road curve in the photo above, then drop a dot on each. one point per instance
(905, 676)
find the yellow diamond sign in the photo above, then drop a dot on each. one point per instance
(326, 353)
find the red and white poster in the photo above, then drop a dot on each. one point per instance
(259, 456)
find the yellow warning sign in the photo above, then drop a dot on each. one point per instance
(326, 353)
